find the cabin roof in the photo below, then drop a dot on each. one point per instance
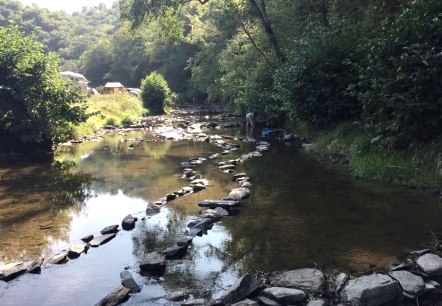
(113, 85)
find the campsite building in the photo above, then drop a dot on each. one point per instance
(113, 88)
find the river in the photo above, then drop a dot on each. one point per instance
(302, 213)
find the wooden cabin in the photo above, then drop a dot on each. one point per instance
(114, 88)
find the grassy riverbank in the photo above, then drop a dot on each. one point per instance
(110, 110)
(418, 166)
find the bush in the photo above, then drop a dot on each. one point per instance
(155, 93)
(111, 121)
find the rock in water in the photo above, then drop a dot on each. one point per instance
(10, 271)
(219, 203)
(76, 250)
(97, 241)
(35, 266)
(109, 229)
(177, 296)
(311, 280)
(175, 252)
(412, 285)
(241, 289)
(128, 222)
(58, 258)
(430, 264)
(154, 263)
(87, 238)
(128, 281)
(117, 296)
(239, 193)
(285, 295)
(371, 290)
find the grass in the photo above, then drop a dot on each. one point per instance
(416, 165)
(111, 110)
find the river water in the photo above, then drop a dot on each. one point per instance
(301, 214)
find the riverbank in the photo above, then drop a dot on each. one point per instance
(364, 156)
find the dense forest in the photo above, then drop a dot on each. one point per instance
(374, 64)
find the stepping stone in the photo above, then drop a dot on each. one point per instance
(267, 302)
(239, 193)
(412, 285)
(128, 222)
(175, 252)
(194, 302)
(10, 271)
(58, 258)
(219, 203)
(430, 264)
(102, 239)
(117, 296)
(109, 229)
(177, 296)
(35, 266)
(76, 250)
(152, 208)
(310, 280)
(285, 295)
(154, 263)
(128, 281)
(227, 167)
(241, 289)
(186, 241)
(87, 238)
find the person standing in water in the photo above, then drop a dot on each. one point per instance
(250, 123)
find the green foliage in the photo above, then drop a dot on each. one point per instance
(37, 107)
(400, 79)
(155, 93)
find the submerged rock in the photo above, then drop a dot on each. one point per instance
(241, 289)
(117, 296)
(311, 280)
(430, 264)
(285, 295)
(376, 289)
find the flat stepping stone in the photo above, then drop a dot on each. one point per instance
(154, 263)
(153, 208)
(310, 280)
(194, 232)
(76, 250)
(238, 176)
(198, 187)
(117, 296)
(128, 281)
(110, 229)
(186, 241)
(227, 167)
(58, 258)
(285, 295)
(430, 264)
(175, 252)
(10, 271)
(87, 238)
(102, 239)
(128, 222)
(219, 203)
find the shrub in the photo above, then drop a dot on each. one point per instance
(155, 93)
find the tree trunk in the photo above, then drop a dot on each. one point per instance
(264, 18)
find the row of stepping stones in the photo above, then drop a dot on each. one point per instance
(154, 263)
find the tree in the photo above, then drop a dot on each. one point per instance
(155, 93)
(37, 107)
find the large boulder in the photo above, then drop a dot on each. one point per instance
(412, 285)
(285, 295)
(371, 290)
(310, 280)
(430, 264)
(241, 289)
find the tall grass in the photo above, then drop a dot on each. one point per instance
(110, 109)
(416, 165)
